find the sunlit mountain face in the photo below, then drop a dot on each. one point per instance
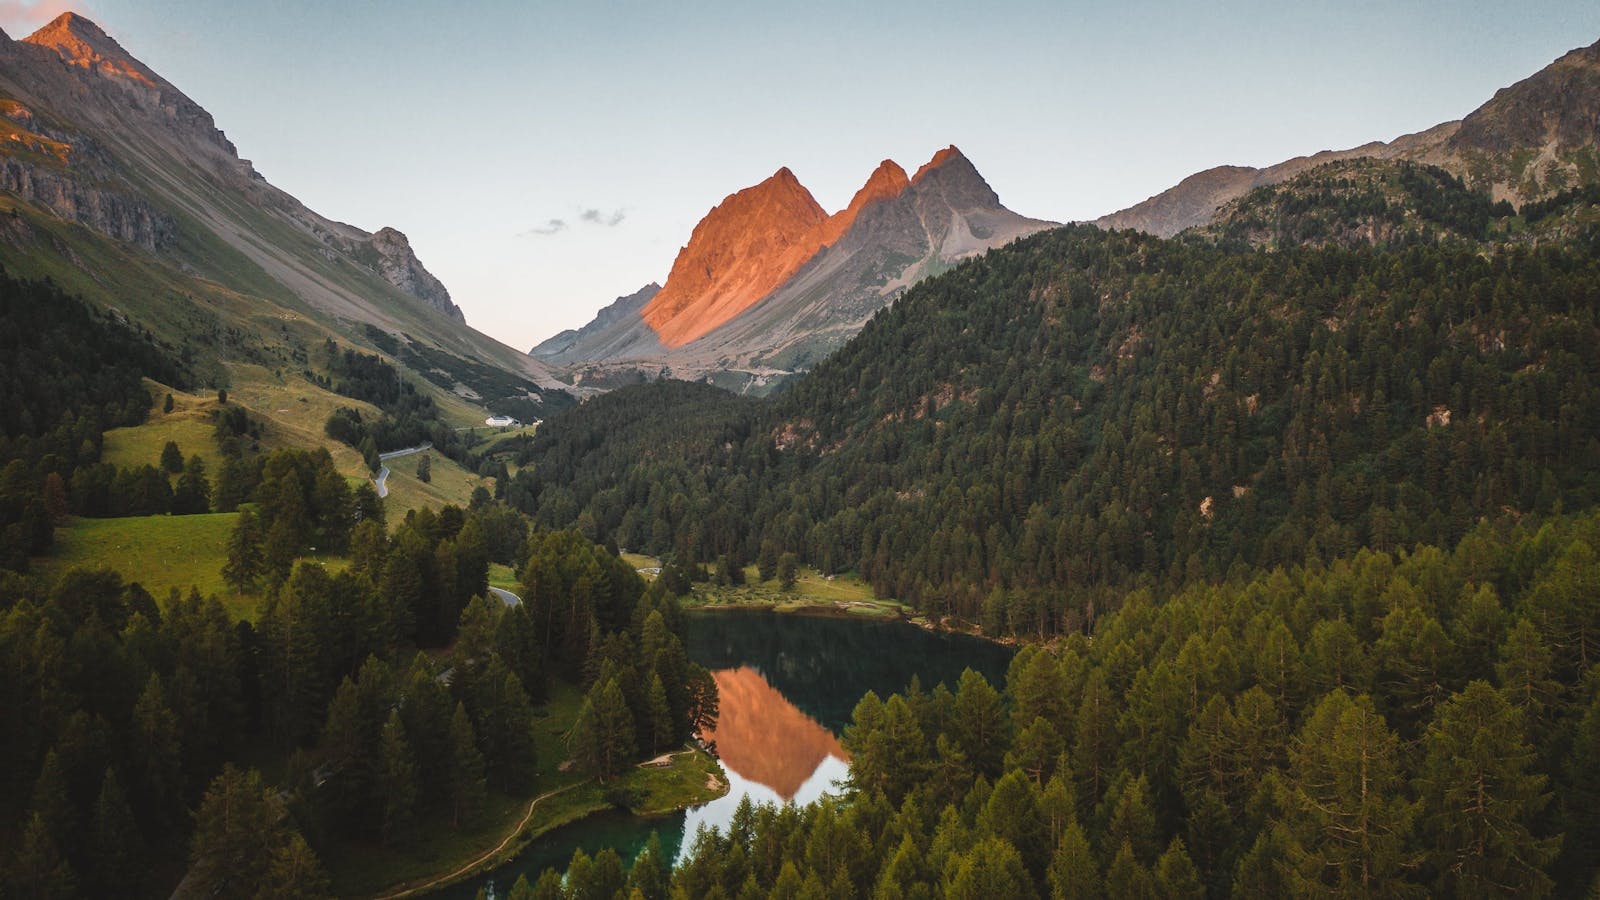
(763, 738)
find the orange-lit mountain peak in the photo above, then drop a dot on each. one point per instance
(81, 42)
(943, 156)
(764, 737)
(740, 252)
(887, 182)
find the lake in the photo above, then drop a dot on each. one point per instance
(787, 685)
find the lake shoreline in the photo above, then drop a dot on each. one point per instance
(868, 611)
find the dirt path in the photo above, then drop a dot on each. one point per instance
(663, 760)
(441, 880)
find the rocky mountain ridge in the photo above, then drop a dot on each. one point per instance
(115, 120)
(1528, 142)
(769, 283)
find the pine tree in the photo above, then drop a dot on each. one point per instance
(1176, 876)
(659, 722)
(992, 868)
(39, 870)
(468, 790)
(281, 548)
(397, 783)
(1127, 878)
(651, 873)
(171, 458)
(238, 829)
(157, 758)
(294, 873)
(1480, 796)
(1348, 821)
(115, 843)
(246, 559)
(369, 453)
(980, 723)
(788, 571)
(193, 494)
(1074, 874)
(425, 469)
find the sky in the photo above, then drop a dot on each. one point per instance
(546, 158)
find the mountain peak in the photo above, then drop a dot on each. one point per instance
(81, 42)
(939, 159)
(746, 246)
(887, 182)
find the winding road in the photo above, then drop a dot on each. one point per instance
(506, 596)
(383, 471)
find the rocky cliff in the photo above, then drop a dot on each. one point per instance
(129, 155)
(181, 232)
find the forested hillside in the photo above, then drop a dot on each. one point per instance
(1409, 724)
(1083, 411)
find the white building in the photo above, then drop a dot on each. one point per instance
(500, 421)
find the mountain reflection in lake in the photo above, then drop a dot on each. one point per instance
(764, 738)
(788, 685)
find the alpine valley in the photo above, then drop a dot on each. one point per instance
(1242, 543)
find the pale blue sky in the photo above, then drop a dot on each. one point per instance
(471, 126)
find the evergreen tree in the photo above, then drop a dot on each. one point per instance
(39, 869)
(116, 849)
(1176, 876)
(1074, 875)
(294, 873)
(651, 873)
(1349, 822)
(659, 721)
(788, 571)
(468, 789)
(1480, 799)
(171, 458)
(1128, 878)
(193, 494)
(397, 783)
(425, 469)
(246, 559)
(238, 829)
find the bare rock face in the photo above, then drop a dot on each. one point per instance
(123, 147)
(1531, 140)
(1557, 106)
(400, 267)
(108, 212)
(746, 246)
(769, 285)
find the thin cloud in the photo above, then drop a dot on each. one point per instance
(601, 217)
(553, 226)
(587, 215)
(22, 17)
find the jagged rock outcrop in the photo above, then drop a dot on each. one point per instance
(1531, 140)
(769, 284)
(108, 212)
(400, 267)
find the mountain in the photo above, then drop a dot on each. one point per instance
(1530, 141)
(121, 188)
(1364, 202)
(623, 309)
(769, 283)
